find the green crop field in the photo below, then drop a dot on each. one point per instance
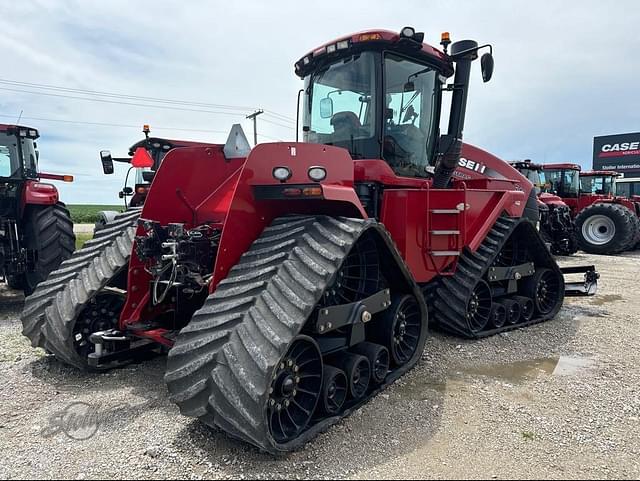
(86, 214)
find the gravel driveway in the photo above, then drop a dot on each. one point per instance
(558, 400)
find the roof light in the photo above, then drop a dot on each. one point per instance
(408, 32)
(282, 173)
(23, 133)
(369, 36)
(343, 44)
(33, 133)
(306, 60)
(445, 37)
(331, 48)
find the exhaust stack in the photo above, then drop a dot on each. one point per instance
(463, 52)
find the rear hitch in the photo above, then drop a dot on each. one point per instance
(114, 348)
(587, 287)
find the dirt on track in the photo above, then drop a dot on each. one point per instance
(557, 400)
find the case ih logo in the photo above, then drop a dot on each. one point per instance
(617, 152)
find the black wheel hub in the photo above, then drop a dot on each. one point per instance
(295, 390)
(407, 328)
(547, 293)
(479, 307)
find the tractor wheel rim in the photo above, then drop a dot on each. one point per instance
(295, 390)
(599, 230)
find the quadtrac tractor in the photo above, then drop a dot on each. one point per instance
(605, 223)
(145, 157)
(557, 226)
(36, 231)
(292, 283)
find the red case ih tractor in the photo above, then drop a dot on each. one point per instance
(293, 282)
(145, 158)
(557, 226)
(36, 231)
(605, 223)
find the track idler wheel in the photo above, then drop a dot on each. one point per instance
(545, 289)
(358, 371)
(526, 307)
(514, 311)
(479, 307)
(295, 389)
(378, 357)
(498, 316)
(334, 390)
(400, 329)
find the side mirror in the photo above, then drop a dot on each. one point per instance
(107, 162)
(127, 191)
(326, 108)
(487, 64)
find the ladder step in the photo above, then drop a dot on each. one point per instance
(445, 253)
(445, 211)
(445, 232)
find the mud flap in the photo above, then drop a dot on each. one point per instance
(587, 287)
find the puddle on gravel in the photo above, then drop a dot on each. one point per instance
(512, 373)
(599, 300)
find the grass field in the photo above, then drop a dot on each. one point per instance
(86, 214)
(81, 238)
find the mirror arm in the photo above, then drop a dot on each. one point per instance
(470, 50)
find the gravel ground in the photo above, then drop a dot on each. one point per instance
(558, 400)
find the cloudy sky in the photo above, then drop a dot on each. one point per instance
(565, 71)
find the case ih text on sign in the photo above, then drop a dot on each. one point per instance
(617, 152)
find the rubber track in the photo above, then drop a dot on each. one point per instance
(452, 294)
(33, 312)
(221, 366)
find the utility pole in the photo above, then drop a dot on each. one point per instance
(255, 128)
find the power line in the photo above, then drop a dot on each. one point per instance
(103, 124)
(122, 96)
(279, 125)
(113, 95)
(165, 107)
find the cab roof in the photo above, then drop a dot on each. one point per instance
(12, 129)
(562, 167)
(372, 40)
(601, 173)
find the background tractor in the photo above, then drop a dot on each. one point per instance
(293, 282)
(605, 223)
(145, 158)
(36, 231)
(557, 226)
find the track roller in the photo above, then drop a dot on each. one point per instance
(498, 316)
(334, 390)
(514, 311)
(526, 308)
(358, 371)
(378, 357)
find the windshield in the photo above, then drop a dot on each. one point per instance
(602, 185)
(565, 183)
(537, 178)
(410, 115)
(340, 105)
(12, 153)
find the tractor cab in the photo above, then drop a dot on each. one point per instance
(18, 153)
(534, 174)
(563, 180)
(378, 94)
(601, 183)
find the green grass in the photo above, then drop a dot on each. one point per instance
(86, 214)
(82, 238)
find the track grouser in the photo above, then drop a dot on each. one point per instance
(292, 282)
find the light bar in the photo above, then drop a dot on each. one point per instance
(343, 44)
(331, 48)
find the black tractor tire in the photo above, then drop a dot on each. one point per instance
(49, 231)
(606, 229)
(33, 312)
